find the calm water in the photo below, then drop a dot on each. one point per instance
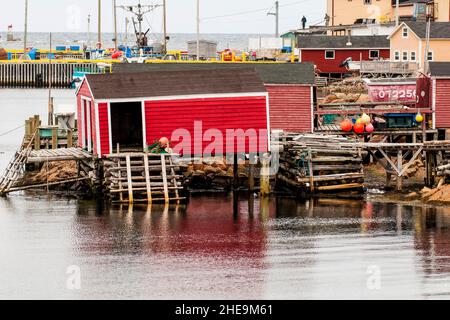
(177, 40)
(274, 249)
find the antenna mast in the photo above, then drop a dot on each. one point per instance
(140, 11)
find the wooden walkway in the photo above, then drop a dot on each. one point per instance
(50, 155)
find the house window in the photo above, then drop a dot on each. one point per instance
(405, 56)
(367, 2)
(397, 55)
(430, 56)
(413, 56)
(329, 54)
(405, 32)
(374, 54)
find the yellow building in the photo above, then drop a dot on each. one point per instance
(408, 42)
(348, 12)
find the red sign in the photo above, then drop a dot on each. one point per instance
(392, 93)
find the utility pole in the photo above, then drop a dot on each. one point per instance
(397, 13)
(25, 31)
(50, 99)
(165, 27)
(89, 31)
(99, 40)
(116, 46)
(277, 18)
(427, 47)
(198, 30)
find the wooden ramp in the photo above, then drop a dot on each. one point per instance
(143, 177)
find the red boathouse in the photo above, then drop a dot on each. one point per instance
(133, 110)
(440, 98)
(291, 88)
(328, 53)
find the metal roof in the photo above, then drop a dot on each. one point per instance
(174, 83)
(340, 42)
(270, 73)
(440, 69)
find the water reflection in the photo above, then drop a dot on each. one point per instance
(213, 247)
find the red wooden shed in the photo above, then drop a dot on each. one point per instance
(329, 52)
(440, 97)
(290, 87)
(134, 110)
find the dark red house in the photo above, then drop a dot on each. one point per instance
(290, 87)
(133, 110)
(440, 97)
(328, 53)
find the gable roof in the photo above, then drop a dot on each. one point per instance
(438, 30)
(340, 42)
(440, 69)
(174, 83)
(270, 73)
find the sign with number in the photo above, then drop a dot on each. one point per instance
(392, 93)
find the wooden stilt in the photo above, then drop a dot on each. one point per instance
(130, 180)
(147, 179)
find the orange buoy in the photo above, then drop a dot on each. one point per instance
(358, 128)
(346, 125)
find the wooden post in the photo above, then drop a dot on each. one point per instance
(265, 176)
(147, 179)
(130, 180)
(70, 139)
(37, 138)
(235, 172)
(311, 171)
(54, 138)
(251, 177)
(400, 169)
(388, 179)
(164, 176)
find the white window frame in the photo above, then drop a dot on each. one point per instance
(403, 33)
(411, 56)
(397, 56)
(334, 54)
(403, 56)
(432, 56)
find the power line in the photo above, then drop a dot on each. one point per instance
(256, 10)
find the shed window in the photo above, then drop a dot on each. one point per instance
(374, 54)
(413, 56)
(397, 56)
(430, 56)
(329, 54)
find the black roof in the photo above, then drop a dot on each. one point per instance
(174, 83)
(439, 30)
(270, 73)
(340, 42)
(440, 69)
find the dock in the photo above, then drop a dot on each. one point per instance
(41, 74)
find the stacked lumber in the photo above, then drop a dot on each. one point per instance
(321, 163)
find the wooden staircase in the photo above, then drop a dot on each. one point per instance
(16, 166)
(142, 177)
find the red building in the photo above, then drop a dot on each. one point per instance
(290, 87)
(132, 111)
(328, 53)
(440, 97)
